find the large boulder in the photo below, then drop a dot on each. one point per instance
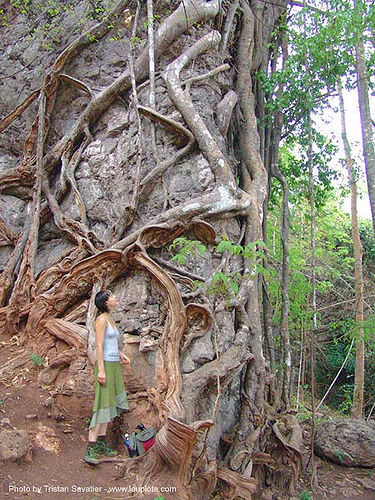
(14, 444)
(346, 442)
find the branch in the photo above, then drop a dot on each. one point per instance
(184, 104)
(188, 83)
(337, 375)
(176, 24)
(179, 270)
(306, 6)
(175, 127)
(7, 120)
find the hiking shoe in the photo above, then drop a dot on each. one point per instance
(102, 448)
(90, 456)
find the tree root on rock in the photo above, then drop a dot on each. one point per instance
(51, 305)
(9, 368)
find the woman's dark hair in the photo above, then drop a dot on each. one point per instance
(101, 300)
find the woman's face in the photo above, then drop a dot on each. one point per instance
(112, 301)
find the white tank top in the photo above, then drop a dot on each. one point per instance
(110, 345)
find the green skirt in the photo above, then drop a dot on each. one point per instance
(110, 399)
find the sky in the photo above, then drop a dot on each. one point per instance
(330, 122)
(330, 126)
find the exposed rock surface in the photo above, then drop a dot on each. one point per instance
(14, 444)
(46, 438)
(105, 179)
(97, 185)
(346, 442)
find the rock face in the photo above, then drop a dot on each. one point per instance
(114, 195)
(47, 439)
(105, 179)
(346, 442)
(14, 444)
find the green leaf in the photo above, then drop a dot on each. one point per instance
(202, 249)
(180, 259)
(237, 249)
(223, 246)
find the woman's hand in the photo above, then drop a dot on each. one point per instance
(123, 358)
(101, 377)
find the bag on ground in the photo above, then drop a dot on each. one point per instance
(140, 442)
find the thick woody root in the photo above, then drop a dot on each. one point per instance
(236, 485)
(185, 16)
(184, 104)
(14, 364)
(61, 292)
(168, 372)
(280, 465)
(71, 289)
(185, 137)
(197, 383)
(171, 459)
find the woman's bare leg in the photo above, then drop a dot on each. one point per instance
(97, 430)
(102, 429)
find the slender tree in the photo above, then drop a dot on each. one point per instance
(365, 112)
(359, 380)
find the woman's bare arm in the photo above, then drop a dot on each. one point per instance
(100, 326)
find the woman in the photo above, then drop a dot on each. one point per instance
(110, 394)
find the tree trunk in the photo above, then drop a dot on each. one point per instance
(313, 294)
(286, 355)
(359, 378)
(106, 220)
(366, 122)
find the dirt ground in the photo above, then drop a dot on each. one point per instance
(55, 469)
(339, 483)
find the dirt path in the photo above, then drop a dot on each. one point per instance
(63, 475)
(341, 483)
(49, 475)
(61, 472)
